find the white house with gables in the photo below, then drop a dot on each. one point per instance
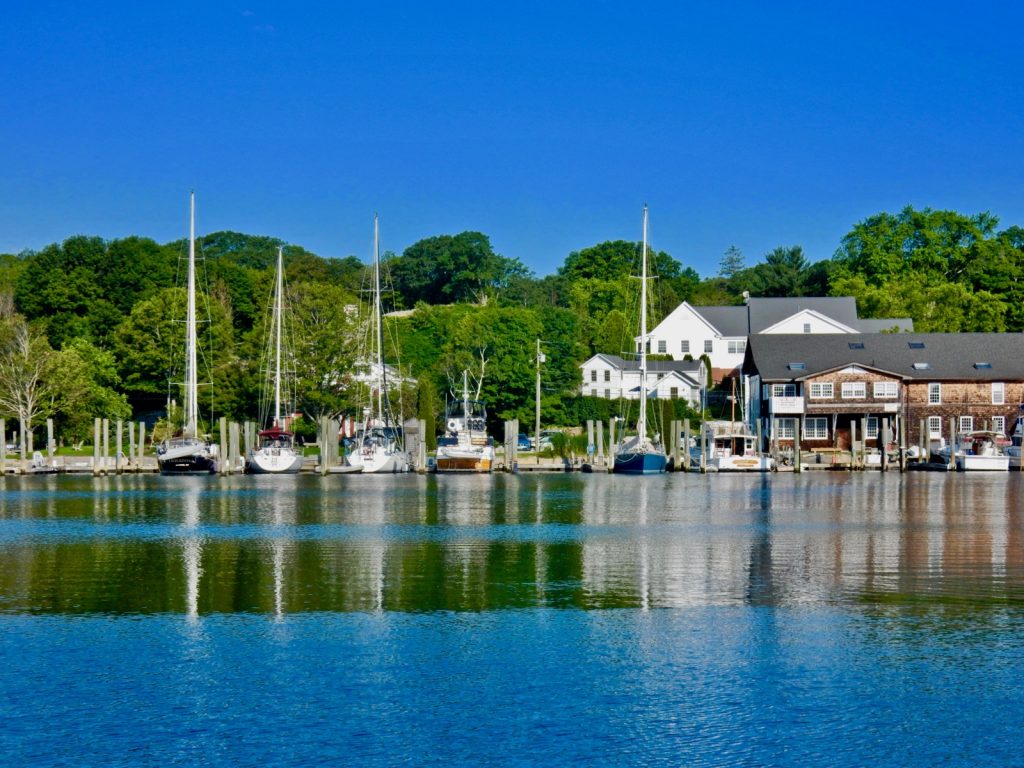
(721, 332)
(612, 377)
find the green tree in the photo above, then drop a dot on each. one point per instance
(731, 263)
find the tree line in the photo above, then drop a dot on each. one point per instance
(90, 327)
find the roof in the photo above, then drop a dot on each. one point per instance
(653, 366)
(922, 356)
(765, 312)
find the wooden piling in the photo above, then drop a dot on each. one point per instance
(50, 446)
(224, 462)
(796, 447)
(117, 443)
(686, 445)
(142, 442)
(3, 447)
(131, 443)
(96, 446)
(953, 443)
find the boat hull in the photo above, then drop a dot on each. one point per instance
(187, 464)
(273, 463)
(480, 462)
(379, 461)
(982, 463)
(639, 463)
(743, 463)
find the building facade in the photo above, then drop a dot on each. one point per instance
(611, 377)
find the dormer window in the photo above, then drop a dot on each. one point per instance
(856, 345)
(915, 344)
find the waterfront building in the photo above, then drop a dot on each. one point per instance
(819, 386)
(612, 377)
(721, 332)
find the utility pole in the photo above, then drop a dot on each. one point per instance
(540, 359)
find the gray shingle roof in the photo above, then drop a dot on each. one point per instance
(766, 312)
(949, 356)
(880, 325)
(656, 366)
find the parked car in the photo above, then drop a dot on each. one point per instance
(524, 443)
(547, 439)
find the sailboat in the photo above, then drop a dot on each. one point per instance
(276, 453)
(465, 446)
(639, 454)
(379, 446)
(188, 453)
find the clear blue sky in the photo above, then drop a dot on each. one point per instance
(545, 125)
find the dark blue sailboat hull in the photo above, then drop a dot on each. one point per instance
(639, 463)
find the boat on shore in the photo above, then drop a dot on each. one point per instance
(276, 453)
(465, 445)
(981, 451)
(639, 454)
(188, 453)
(730, 447)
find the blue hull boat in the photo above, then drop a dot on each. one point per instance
(639, 463)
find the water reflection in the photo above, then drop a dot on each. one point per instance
(284, 545)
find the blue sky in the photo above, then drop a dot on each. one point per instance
(544, 125)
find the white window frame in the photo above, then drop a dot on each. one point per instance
(607, 394)
(849, 390)
(871, 428)
(934, 427)
(593, 374)
(998, 393)
(807, 327)
(999, 424)
(662, 346)
(935, 393)
(783, 390)
(821, 390)
(607, 374)
(786, 429)
(819, 431)
(965, 424)
(684, 347)
(709, 346)
(886, 390)
(737, 347)
(673, 393)
(593, 392)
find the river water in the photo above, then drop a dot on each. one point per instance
(815, 619)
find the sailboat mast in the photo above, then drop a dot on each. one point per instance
(378, 320)
(191, 365)
(278, 291)
(465, 399)
(641, 423)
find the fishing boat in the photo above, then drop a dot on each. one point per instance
(465, 445)
(639, 454)
(276, 453)
(730, 447)
(378, 445)
(188, 453)
(981, 450)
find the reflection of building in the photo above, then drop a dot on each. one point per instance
(611, 377)
(827, 386)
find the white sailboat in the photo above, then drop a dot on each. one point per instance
(276, 453)
(188, 453)
(639, 454)
(379, 445)
(465, 446)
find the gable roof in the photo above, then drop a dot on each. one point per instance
(949, 356)
(760, 313)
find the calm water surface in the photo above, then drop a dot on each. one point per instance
(827, 619)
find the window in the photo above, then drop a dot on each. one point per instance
(709, 346)
(886, 389)
(737, 347)
(607, 394)
(662, 347)
(783, 390)
(816, 428)
(999, 424)
(797, 366)
(807, 327)
(915, 344)
(934, 393)
(593, 375)
(934, 426)
(965, 424)
(673, 392)
(786, 429)
(998, 393)
(856, 345)
(983, 366)
(922, 366)
(684, 346)
(871, 428)
(607, 375)
(593, 393)
(821, 390)
(854, 390)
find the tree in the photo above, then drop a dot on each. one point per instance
(731, 263)
(83, 385)
(25, 362)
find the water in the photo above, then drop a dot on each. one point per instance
(826, 618)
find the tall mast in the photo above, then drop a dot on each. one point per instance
(378, 320)
(191, 377)
(465, 399)
(641, 423)
(278, 291)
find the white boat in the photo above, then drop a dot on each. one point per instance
(276, 453)
(189, 453)
(638, 454)
(982, 451)
(729, 447)
(379, 445)
(465, 445)
(1014, 449)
